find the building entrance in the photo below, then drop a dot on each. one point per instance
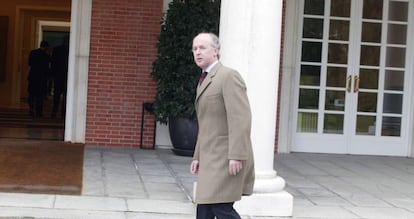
(353, 94)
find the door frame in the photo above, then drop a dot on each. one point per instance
(42, 25)
(288, 86)
(19, 68)
(410, 81)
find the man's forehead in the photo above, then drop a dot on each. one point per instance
(202, 38)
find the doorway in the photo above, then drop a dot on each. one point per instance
(56, 33)
(33, 25)
(352, 81)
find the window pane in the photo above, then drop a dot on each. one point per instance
(312, 28)
(367, 102)
(340, 8)
(310, 75)
(336, 77)
(397, 34)
(308, 98)
(393, 103)
(339, 30)
(368, 78)
(398, 11)
(335, 100)
(315, 7)
(333, 124)
(371, 32)
(307, 122)
(395, 57)
(372, 9)
(391, 126)
(394, 80)
(370, 55)
(311, 51)
(337, 53)
(365, 125)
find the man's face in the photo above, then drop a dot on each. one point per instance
(204, 54)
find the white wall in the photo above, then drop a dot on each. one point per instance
(162, 136)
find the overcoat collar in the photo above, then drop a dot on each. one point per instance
(207, 81)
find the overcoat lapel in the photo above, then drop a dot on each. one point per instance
(207, 80)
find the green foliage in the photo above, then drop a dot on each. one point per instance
(174, 69)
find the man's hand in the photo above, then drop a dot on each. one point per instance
(194, 167)
(235, 167)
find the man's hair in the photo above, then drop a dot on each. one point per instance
(215, 40)
(44, 44)
(215, 43)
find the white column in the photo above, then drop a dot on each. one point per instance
(250, 32)
(78, 69)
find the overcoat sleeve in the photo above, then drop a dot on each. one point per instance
(238, 116)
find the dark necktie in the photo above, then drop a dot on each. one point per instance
(202, 77)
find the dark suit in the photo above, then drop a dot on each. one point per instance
(60, 76)
(39, 62)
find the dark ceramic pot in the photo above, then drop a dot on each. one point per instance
(183, 134)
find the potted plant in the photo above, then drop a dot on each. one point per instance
(174, 69)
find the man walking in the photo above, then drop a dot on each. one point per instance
(60, 76)
(223, 157)
(39, 62)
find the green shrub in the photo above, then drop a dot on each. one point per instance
(174, 69)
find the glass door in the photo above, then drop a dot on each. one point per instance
(351, 95)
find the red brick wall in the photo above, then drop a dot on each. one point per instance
(123, 46)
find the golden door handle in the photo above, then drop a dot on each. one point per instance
(348, 83)
(356, 84)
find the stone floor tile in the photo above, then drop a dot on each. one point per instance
(90, 203)
(316, 192)
(329, 201)
(158, 179)
(381, 213)
(161, 206)
(26, 200)
(405, 203)
(162, 187)
(93, 188)
(127, 193)
(154, 170)
(302, 201)
(322, 212)
(134, 183)
(300, 182)
(158, 216)
(366, 201)
(294, 191)
(44, 213)
(176, 196)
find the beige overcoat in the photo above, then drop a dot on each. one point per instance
(224, 120)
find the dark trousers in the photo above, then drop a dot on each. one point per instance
(58, 93)
(35, 99)
(219, 210)
(36, 105)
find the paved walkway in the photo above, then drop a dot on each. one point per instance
(150, 184)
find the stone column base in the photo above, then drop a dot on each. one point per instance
(266, 204)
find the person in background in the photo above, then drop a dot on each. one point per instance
(223, 157)
(39, 62)
(60, 76)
